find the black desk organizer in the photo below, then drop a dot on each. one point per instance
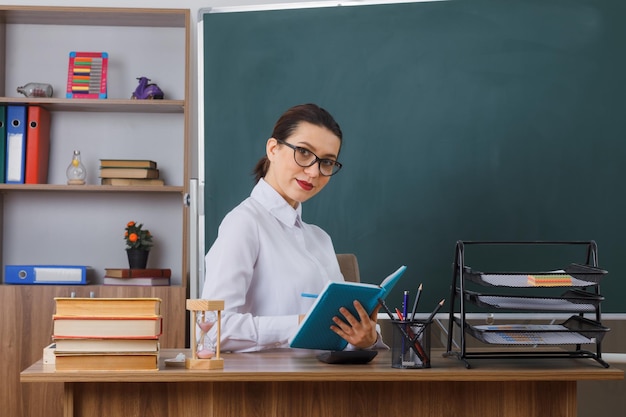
(580, 297)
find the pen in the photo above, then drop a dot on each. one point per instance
(417, 299)
(308, 295)
(405, 305)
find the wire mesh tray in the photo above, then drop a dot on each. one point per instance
(575, 275)
(585, 272)
(571, 301)
(575, 330)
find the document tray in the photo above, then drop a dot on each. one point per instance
(570, 301)
(575, 330)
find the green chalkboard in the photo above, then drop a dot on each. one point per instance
(463, 120)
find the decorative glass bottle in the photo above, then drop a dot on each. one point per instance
(36, 90)
(76, 172)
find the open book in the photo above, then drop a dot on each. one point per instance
(314, 331)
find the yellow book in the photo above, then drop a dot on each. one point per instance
(103, 307)
(64, 327)
(132, 181)
(107, 362)
(129, 173)
(127, 163)
(105, 345)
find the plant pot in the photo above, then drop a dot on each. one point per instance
(137, 258)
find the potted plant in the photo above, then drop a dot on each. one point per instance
(138, 245)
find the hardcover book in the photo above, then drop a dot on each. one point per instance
(125, 182)
(314, 331)
(129, 173)
(105, 345)
(107, 362)
(137, 273)
(141, 281)
(127, 163)
(110, 327)
(108, 307)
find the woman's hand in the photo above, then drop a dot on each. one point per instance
(359, 332)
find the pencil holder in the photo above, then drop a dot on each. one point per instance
(410, 347)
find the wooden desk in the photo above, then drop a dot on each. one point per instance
(295, 383)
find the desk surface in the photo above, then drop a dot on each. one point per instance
(302, 365)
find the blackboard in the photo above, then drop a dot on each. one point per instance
(463, 120)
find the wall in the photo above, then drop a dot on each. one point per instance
(193, 5)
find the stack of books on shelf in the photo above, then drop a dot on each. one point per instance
(24, 144)
(129, 172)
(141, 277)
(106, 333)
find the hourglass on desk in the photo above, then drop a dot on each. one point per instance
(205, 314)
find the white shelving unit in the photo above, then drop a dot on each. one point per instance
(55, 223)
(59, 224)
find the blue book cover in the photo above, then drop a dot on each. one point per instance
(314, 331)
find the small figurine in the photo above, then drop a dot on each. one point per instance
(147, 91)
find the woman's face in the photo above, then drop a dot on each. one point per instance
(293, 182)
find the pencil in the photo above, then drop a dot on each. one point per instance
(430, 318)
(384, 306)
(417, 299)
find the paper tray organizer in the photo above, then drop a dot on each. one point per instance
(579, 284)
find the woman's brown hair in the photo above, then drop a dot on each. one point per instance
(289, 121)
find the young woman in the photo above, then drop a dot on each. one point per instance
(265, 256)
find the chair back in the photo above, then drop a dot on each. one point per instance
(349, 266)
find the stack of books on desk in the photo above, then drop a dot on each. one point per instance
(129, 172)
(107, 333)
(140, 277)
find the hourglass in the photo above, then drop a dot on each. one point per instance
(205, 314)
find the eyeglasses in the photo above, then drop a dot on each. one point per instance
(305, 158)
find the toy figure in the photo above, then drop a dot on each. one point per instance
(147, 91)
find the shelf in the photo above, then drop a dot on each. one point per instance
(94, 16)
(101, 105)
(89, 188)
